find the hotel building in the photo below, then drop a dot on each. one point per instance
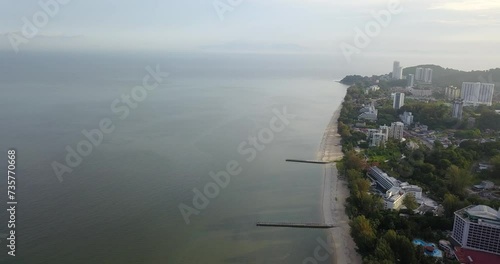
(477, 227)
(395, 190)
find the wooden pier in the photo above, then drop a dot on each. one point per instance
(296, 225)
(308, 161)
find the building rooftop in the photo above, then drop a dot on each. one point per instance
(480, 214)
(483, 211)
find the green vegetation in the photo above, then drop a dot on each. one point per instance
(410, 202)
(384, 236)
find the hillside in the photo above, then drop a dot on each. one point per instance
(445, 76)
(441, 77)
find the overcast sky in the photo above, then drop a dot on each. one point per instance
(465, 33)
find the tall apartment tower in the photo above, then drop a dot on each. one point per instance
(397, 71)
(419, 74)
(410, 80)
(477, 93)
(428, 75)
(458, 106)
(396, 131)
(423, 75)
(399, 100)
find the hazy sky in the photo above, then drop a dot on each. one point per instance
(462, 33)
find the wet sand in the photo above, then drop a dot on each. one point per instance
(334, 194)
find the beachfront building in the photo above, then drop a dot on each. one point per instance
(384, 180)
(477, 93)
(398, 100)
(396, 130)
(395, 190)
(372, 88)
(477, 227)
(393, 198)
(368, 113)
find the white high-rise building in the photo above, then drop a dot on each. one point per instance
(486, 92)
(398, 101)
(423, 75)
(385, 130)
(458, 106)
(477, 227)
(396, 131)
(428, 75)
(407, 118)
(397, 71)
(410, 80)
(477, 93)
(419, 74)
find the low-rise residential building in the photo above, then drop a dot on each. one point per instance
(368, 113)
(372, 88)
(419, 92)
(452, 93)
(485, 185)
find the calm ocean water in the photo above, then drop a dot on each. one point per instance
(121, 204)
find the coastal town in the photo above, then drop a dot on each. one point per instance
(422, 165)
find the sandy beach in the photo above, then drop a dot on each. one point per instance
(334, 194)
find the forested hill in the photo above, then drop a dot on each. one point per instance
(441, 77)
(445, 76)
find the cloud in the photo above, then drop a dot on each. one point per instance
(467, 5)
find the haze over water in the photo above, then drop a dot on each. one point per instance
(121, 204)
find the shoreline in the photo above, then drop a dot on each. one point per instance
(334, 194)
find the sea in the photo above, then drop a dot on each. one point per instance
(143, 189)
